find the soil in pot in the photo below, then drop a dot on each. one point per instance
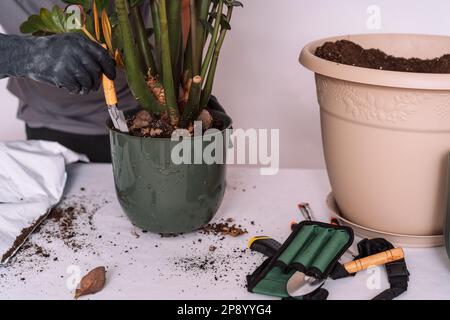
(144, 125)
(350, 53)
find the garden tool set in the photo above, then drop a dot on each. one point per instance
(299, 268)
(312, 249)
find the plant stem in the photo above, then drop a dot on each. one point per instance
(212, 43)
(207, 91)
(136, 78)
(210, 19)
(186, 21)
(202, 15)
(156, 30)
(142, 41)
(176, 39)
(214, 8)
(166, 65)
(187, 66)
(192, 107)
(193, 39)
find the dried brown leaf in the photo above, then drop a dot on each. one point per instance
(96, 22)
(118, 58)
(107, 31)
(92, 283)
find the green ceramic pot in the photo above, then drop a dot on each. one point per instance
(163, 197)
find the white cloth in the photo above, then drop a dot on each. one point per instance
(32, 180)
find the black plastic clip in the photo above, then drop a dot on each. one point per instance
(397, 269)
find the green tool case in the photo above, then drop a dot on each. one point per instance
(313, 248)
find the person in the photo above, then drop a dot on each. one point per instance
(45, 73)
(57, 79)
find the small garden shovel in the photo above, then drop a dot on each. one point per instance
(117, 116)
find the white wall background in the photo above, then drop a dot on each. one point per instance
(260, 81)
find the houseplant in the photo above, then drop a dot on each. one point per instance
(172, 80)
(386, 135)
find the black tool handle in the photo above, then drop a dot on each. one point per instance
(267, 246)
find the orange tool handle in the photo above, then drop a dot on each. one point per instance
(109, 89)
(374, 260)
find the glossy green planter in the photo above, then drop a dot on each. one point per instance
(160, 196)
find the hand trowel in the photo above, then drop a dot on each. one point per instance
(300, 284)
(117, 116)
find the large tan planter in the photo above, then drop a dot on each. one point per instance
(386, 135)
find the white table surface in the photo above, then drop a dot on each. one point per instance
(142, 265)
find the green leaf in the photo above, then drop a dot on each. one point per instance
(47, 22)
(58, 19)
(207, 26)
(233, 3)
(237, 4)
(32, 25)
(113, 20)
(224, 23)
(47, 19)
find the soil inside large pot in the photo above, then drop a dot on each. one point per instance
(350, 53)
(161, 196)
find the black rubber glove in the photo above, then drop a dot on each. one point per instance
(69, 61)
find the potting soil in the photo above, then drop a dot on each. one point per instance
(350, 53)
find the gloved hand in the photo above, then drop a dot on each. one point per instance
(69, 61)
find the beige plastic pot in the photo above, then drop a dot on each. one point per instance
(386, 135)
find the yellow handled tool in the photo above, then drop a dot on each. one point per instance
(374, 260)
(117, 116)
(110, 91)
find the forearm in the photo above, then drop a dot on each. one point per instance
(12, 50)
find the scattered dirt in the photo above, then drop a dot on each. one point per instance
(224, 229)
(70, 229)
(349, 53)
(22, 238)
(220, 266)
(218, 261)
(92, 283)
(70, 223)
